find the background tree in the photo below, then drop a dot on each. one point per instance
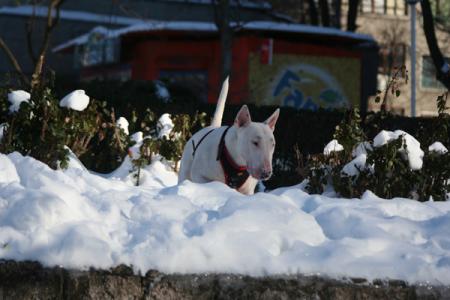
(223, 19)
(319, 12)
(51, 21)
(442, 66)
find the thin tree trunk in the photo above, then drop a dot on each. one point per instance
(12, 59)
(352, 15)
(29, 30)
(226, 36)
(313, 14)
(442, 67)
(337, 6)
(51, 23)
(324, 13)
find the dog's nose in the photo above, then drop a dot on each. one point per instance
(266, 174)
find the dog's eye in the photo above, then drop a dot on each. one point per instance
(255, 143)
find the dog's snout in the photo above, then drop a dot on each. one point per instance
(266, 174)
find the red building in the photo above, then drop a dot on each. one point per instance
(272, 63)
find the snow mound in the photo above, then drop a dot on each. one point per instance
(76, 100)
(161, 91)
(3, 127)
(332, 146)
(123, 124)
(435, 147)
(362, 148)
(16, 98)
(77, 219)
(413, 152)
(357, 164)
(164, 125)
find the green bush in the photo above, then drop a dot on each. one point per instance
(386, 170)
(42, 129)
(170, 146)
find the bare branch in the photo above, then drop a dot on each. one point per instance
(51, 23)
(29, 30)
(13, 61)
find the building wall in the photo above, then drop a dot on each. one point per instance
(392, 29)
(298, 74)
(13, 27)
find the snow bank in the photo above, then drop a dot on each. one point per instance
(76, 100)
(78, 219)
(16, 98)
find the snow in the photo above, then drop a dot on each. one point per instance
(164, 125)
(240, 3)
(302, 28)
(146, 26)
(122, 123)
(357, 164)
(362, 148)
(413, 152)
(77, 219)
(332, 146)
(438, 148)
(161, 91)
(445, 68)
(76, 100)
(3, 126)
(16, 98)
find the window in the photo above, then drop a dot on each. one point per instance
(98, 50)
(429, 80)
(390, 7)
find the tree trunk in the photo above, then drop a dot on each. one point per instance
(12, 59)
(313, 15)
(324, 13)
(442, 67)
(337, 13)
(51, 23)
(352, 14)
(226, 36)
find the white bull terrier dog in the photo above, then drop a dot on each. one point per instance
(237, 155)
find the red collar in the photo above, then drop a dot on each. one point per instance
(235, 175)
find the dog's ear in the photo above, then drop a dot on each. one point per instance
(243, 117)
(272, 120)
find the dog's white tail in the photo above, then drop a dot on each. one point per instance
(217, 119)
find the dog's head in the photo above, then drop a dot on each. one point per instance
(256, 143)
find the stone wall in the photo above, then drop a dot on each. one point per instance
(30, 280)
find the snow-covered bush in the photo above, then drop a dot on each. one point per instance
(392, 165)
(41, 125)
(166, 139)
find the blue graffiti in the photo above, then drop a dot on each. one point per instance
(296, 100)
(285, 82)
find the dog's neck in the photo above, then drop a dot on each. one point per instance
(230, 143)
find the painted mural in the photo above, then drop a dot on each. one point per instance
(305, 82)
